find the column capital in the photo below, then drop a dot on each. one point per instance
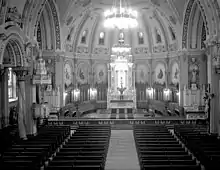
(21, 72)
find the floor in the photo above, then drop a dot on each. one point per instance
(122, 153)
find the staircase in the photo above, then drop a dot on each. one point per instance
(122, 154)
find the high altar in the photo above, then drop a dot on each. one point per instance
(121, 78)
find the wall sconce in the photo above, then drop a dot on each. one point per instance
(76, 94)
(166, 93)
(93, 93)
(150, 92)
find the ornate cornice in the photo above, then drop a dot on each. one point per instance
(21, 72)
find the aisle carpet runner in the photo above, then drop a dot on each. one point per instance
(122, 153)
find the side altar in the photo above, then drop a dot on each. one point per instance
(121, 78)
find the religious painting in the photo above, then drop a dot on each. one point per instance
(100, 73)
(82, 73)
(175, 74)
(142, 74)
(67, 75)
(160, 76)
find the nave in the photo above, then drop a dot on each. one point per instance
(102, 146)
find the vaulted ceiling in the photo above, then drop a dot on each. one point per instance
(75, 16)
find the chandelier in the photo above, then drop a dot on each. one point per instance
(120, 16)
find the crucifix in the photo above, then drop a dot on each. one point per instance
(121, 90)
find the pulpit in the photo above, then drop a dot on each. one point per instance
(121, 79)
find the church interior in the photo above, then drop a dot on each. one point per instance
(110, 84)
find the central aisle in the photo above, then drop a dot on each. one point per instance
(122, 152)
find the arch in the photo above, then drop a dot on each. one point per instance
(15, 44)
(187, 19)
(32, 20)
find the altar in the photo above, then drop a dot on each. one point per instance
(121, 78)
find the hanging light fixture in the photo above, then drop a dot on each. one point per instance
(120, 16)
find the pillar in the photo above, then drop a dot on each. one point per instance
(59, 65)
(4, 106)
(21, 72)
(109, 76)
(2, 97)
(213, 80)
(133, 77)
(31, 123)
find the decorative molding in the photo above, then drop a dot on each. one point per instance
(159, 49)
(21, 72)
(203, 37)
(101, 50)
(141, 50)
(186, 23)
(56, 24)
(187, 19)
(82, 49)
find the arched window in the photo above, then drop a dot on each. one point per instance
(140, 38)
(101, 38)
(84, 35)
(12, 91)
(172, 33)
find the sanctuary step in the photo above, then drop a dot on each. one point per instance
(122, 154)
(122, 127)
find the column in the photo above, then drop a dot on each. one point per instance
(112, 78)
(59, 64)
(109, 76)
(3, 97)
(116, 80)
(4, 109)
(21, 72)
(213, 79)
(133, 77)
(126, 78)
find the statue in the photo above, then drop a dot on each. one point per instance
(121, 90)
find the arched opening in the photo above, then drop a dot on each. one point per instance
(47, 27)
(197, 29)
(12, 57)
